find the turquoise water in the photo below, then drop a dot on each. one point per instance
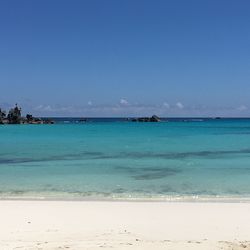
(126, 160)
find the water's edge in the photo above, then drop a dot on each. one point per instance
(185, 199)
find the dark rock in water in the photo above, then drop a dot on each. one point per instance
(48, 121)
(133, 120)
(82, 120)
(144, 119)
(153, 118)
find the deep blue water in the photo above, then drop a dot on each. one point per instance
(112, 158)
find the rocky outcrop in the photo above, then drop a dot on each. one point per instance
(14, 117)
(153, 118)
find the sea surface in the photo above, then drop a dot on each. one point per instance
(117, 159)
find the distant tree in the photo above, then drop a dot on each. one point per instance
(29, 117)
(2, 115)
(14, 115)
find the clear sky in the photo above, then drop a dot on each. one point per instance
(126, 57)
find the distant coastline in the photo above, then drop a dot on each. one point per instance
(14, 116)
(78, 120)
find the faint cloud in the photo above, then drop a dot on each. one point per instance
(179, 105)
(43, 108)
(39, 107)
(124, 102)
(166, 105)
(128, 109)
(56, 108)
(242, 108)
(48, 108)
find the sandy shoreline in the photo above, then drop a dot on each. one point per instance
(171, 199)
(123, 225)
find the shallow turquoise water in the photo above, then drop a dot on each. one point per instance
(126, 160)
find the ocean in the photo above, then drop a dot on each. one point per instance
(115, 159)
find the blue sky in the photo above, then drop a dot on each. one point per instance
(126, 58)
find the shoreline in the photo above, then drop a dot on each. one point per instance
(77, 225)
(173, 199)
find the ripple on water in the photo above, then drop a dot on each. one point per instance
(149, 173)
(89, 155)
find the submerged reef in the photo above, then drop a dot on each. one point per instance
(15, 117)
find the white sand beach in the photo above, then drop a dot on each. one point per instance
(123, 225)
